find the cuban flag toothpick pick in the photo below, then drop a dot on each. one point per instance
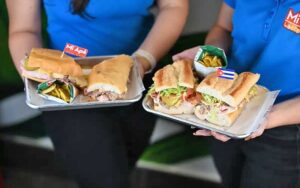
(226, 73)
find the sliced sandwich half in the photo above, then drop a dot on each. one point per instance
(45, 64)
(222, 100)
(108, 79)
(173, 89)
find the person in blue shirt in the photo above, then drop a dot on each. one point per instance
(98, 147)
(261, 37)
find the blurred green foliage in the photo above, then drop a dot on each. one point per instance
(176, 148)
(8, 73)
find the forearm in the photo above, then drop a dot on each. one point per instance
(219, 37)
(285, 113)
(24, 27)
(20, 43)
(165, 31)
(220, 34)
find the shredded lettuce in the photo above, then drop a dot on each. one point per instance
(253, 91)
(210, 100)
(167, 92)
(151, 90)
(213, 116)
(173, 91)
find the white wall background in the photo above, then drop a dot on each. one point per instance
(203, 14)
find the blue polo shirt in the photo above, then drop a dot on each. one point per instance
(266, 40)
(117, 26)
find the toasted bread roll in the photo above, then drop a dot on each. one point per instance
(52, 61)
(111, 75)
(173, 87)
(232, 92)
(178, 74)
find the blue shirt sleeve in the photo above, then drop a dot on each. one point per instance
(230, 3)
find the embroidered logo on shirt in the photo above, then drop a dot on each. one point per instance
(292, 21)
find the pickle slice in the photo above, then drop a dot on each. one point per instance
(27, 67)
(171, 100)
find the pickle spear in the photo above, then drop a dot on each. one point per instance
(27, 67)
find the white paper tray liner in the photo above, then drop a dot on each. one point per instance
(248, 121)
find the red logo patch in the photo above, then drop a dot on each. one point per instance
(292, 21)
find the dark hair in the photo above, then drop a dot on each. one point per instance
(79, 6)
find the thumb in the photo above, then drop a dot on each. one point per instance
(176, 57)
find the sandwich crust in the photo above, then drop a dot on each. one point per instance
(165, 78)
(231, 92)
(33, 78)
(225, 120)
(231, 117)
(184, 72)
(242, 86)
(111, 75)
(51, 61)
(179, 73)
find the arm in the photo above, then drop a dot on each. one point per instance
(24, 28)
(168, 26)
(281, 114)
(285, 113)
(219, 35)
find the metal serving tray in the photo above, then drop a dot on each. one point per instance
(249, 120)
(35, 101)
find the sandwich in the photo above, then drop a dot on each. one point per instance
(108, 79)
(46, 64)
(173, 89)
(222, 100)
